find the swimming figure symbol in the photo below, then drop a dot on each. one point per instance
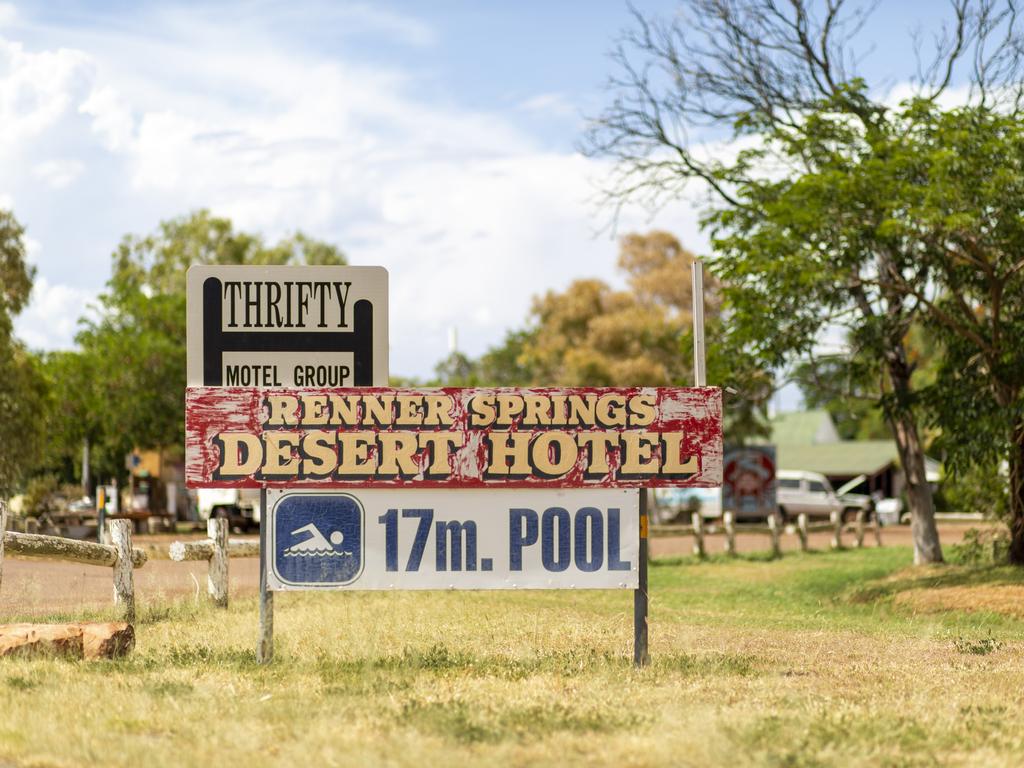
(316, 545)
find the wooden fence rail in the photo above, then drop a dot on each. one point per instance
(217, 550)
(120, 556)
(699, 529)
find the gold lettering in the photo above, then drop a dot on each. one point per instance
(231, 446)
(318, 448)
(279, 459)
(354, 453)
(550, 443)
(502, 451)
(637, 456)
(283, 410)
(314, 410)
(670, 463)
(398, 454)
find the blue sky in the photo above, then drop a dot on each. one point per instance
(436, 139)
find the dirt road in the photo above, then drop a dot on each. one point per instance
(44, 586)
(894, 536)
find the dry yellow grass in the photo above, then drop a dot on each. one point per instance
(997, 598)
(755, 664)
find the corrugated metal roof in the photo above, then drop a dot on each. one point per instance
(804, 428)
(845, 458)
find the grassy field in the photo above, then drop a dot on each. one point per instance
(846, 658)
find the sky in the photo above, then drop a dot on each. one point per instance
(435, 139)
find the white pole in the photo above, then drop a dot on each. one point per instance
(699, 375)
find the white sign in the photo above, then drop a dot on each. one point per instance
(320, 326)
(466, 539)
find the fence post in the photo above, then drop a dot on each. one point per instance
(3, 528)
(124, 582)
(878, 530)
(861, 515)
(801, 529)
(729, 521)
(773, 529)
(697, 520)
(836, 516)
(217, 579)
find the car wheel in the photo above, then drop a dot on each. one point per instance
(849, 515)
(783, 516)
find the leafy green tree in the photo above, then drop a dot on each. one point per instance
(970, 234)
(810, 208)
(23, 392)
(852, 389)
(74, 417)
(138, 342)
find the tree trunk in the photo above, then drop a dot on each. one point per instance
(1016, 462)
(908, 442)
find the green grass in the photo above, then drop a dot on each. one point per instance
(812, 660)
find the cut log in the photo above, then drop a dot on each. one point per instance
(23, 640)
(111, 640)
(181, 551)
(243, 548)
(58, 548)
(71, 641)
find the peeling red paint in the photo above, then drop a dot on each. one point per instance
(696, 413)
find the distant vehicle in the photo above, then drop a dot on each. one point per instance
(804, 492)
(890, 512)
(854, 502)
(241, 508)
(83, 506)
(675, 505)
(812, 494)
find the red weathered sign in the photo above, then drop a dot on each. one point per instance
(383, 437)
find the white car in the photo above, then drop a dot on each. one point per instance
(812, 494)
(241, 508)
(805, 492)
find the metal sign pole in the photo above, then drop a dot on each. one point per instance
(265, 643)
(699, 375)
(641, 658)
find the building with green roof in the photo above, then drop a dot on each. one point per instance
(809, 441)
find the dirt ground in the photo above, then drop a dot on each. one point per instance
(44, 586)
(32, 586)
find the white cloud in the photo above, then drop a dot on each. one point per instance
(8, 14)
(112, 117)
(405, 28)
(36, 89)
(551, 104)
(469, 214)
(51, 319)
(58, 173)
